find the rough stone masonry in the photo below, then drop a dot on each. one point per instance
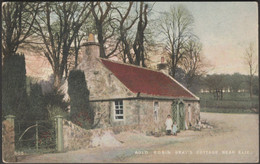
(138, 109)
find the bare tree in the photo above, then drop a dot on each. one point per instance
(138, 45)
(103, 17)
(87, 28)
(77, 46)
(57, 26)
(134, 38)
(125, 24)
(17, 21)
(251, 62)
(176, 27)
(192, 62)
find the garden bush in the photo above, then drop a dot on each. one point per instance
(14, 96)
(80, 111)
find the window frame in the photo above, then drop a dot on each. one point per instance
(121, 108)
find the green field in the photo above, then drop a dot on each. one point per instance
(231, 103)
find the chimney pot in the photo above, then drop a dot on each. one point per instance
(91, 47)
(162, 60)
(163, 66)
(91, 38)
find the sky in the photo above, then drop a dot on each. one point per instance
(225, 29)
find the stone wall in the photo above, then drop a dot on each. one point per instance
(8, 142)
(102, 113)
(136, 112)
(147, 116)
(101, 83)
(138, 115)
(141, 112)
(75, 137)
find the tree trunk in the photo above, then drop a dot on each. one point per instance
(57, 81)
(76, 57)
(173, 68)
(101, 41)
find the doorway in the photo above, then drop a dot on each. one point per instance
(156, 110)
(178, 114)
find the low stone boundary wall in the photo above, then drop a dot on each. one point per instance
(75, 137)
(8, 144)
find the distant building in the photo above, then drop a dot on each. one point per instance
(123, 94)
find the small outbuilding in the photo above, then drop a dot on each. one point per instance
(123, 94)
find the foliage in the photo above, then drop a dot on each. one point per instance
(255, 85)
(15, 100)
(47, 138)
(234, 82)
(229, 83)
(82, 119)
(29, 81)
(54, 104)
(54, 98)
(54, 110)
(79, 97)
(37, 108)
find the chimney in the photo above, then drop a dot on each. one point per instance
(163, 67)
(91, 48)
(162, 60)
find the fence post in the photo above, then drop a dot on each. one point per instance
(10, 118)
(59, 133)
(8, 139)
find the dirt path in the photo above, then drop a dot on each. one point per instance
(237, 142)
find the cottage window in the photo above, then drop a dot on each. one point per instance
(119, 112)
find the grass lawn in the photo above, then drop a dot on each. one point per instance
(226, 110)
(231, 103)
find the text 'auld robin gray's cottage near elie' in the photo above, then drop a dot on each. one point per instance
(123, 94)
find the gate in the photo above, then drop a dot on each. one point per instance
(35, 136)
(178, 114)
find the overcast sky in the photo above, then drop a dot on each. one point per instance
(225, 30)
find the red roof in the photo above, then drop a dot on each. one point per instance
(138, 79)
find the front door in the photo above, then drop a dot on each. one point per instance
(182, 115)
(178, 114)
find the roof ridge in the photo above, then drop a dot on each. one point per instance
(132, 65)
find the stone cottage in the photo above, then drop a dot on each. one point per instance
(123, 94)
